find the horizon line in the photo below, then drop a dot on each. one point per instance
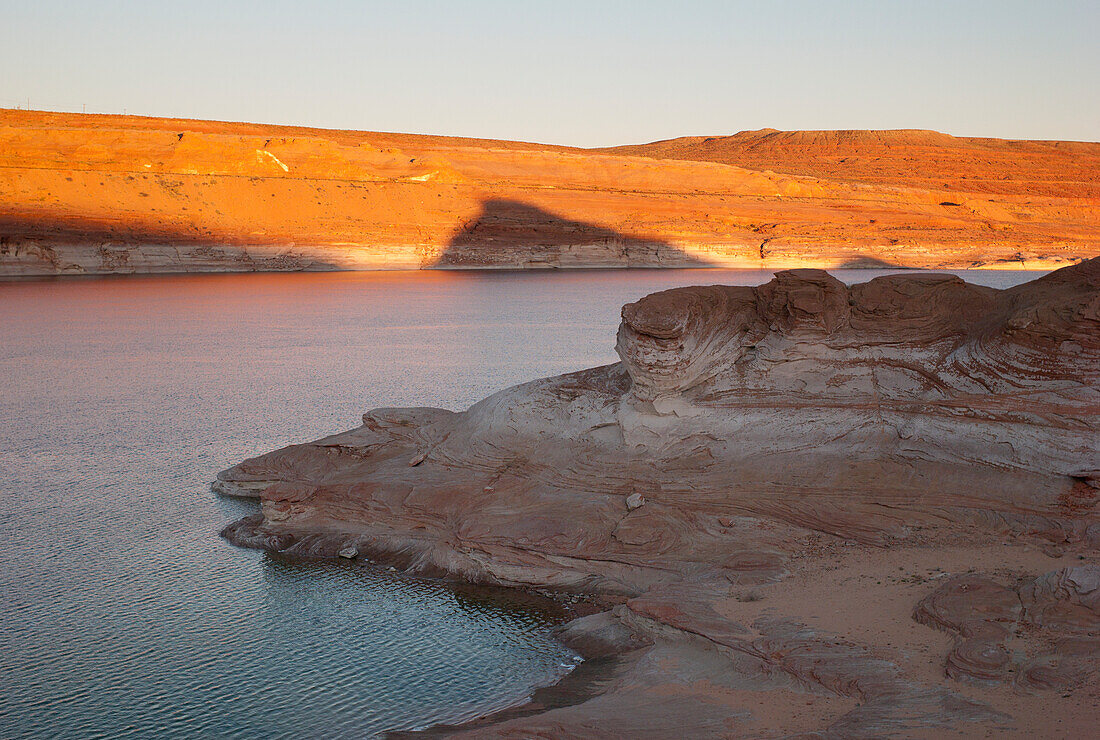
(126, 114)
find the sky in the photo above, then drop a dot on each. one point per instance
(591, 73)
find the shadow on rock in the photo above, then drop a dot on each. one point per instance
(511, 234)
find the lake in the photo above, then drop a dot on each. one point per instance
(124, 614)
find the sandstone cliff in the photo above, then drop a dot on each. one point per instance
(801, 444)
(114, 194)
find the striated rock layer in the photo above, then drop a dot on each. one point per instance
(1061, 608)
(751, 445)
(92, 194)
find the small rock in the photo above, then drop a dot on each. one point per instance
(1052, 551)
(634, 501)
(349, 552)
(275, 513)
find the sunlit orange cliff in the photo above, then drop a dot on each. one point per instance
(95, 194)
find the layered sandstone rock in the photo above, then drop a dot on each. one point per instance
(1052, 625)
(115, 194)
(744, 430)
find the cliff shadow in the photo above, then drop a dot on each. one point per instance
(512, 234)
(867, 262)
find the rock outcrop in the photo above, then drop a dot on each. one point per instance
(122, 194)
(1052, 624)
(746, 433)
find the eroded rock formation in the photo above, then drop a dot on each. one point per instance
(1051, 623)
(743, 430)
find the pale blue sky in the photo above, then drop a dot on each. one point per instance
(589, 73)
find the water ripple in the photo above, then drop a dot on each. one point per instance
(124, 615)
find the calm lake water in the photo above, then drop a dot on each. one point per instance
(124, 614)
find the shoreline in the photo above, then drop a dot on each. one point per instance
(616, 635)
(601, 657)
(1036, 266)
(604, 654)
(813, 508)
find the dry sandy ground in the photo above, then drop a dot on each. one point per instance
(866, 595)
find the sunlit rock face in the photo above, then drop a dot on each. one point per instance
(91, 194)
(902, 412)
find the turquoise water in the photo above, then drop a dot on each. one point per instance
(123, 612)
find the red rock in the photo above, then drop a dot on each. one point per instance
(118, 194)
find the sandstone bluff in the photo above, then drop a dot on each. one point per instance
(92, 194)
(804, 509)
